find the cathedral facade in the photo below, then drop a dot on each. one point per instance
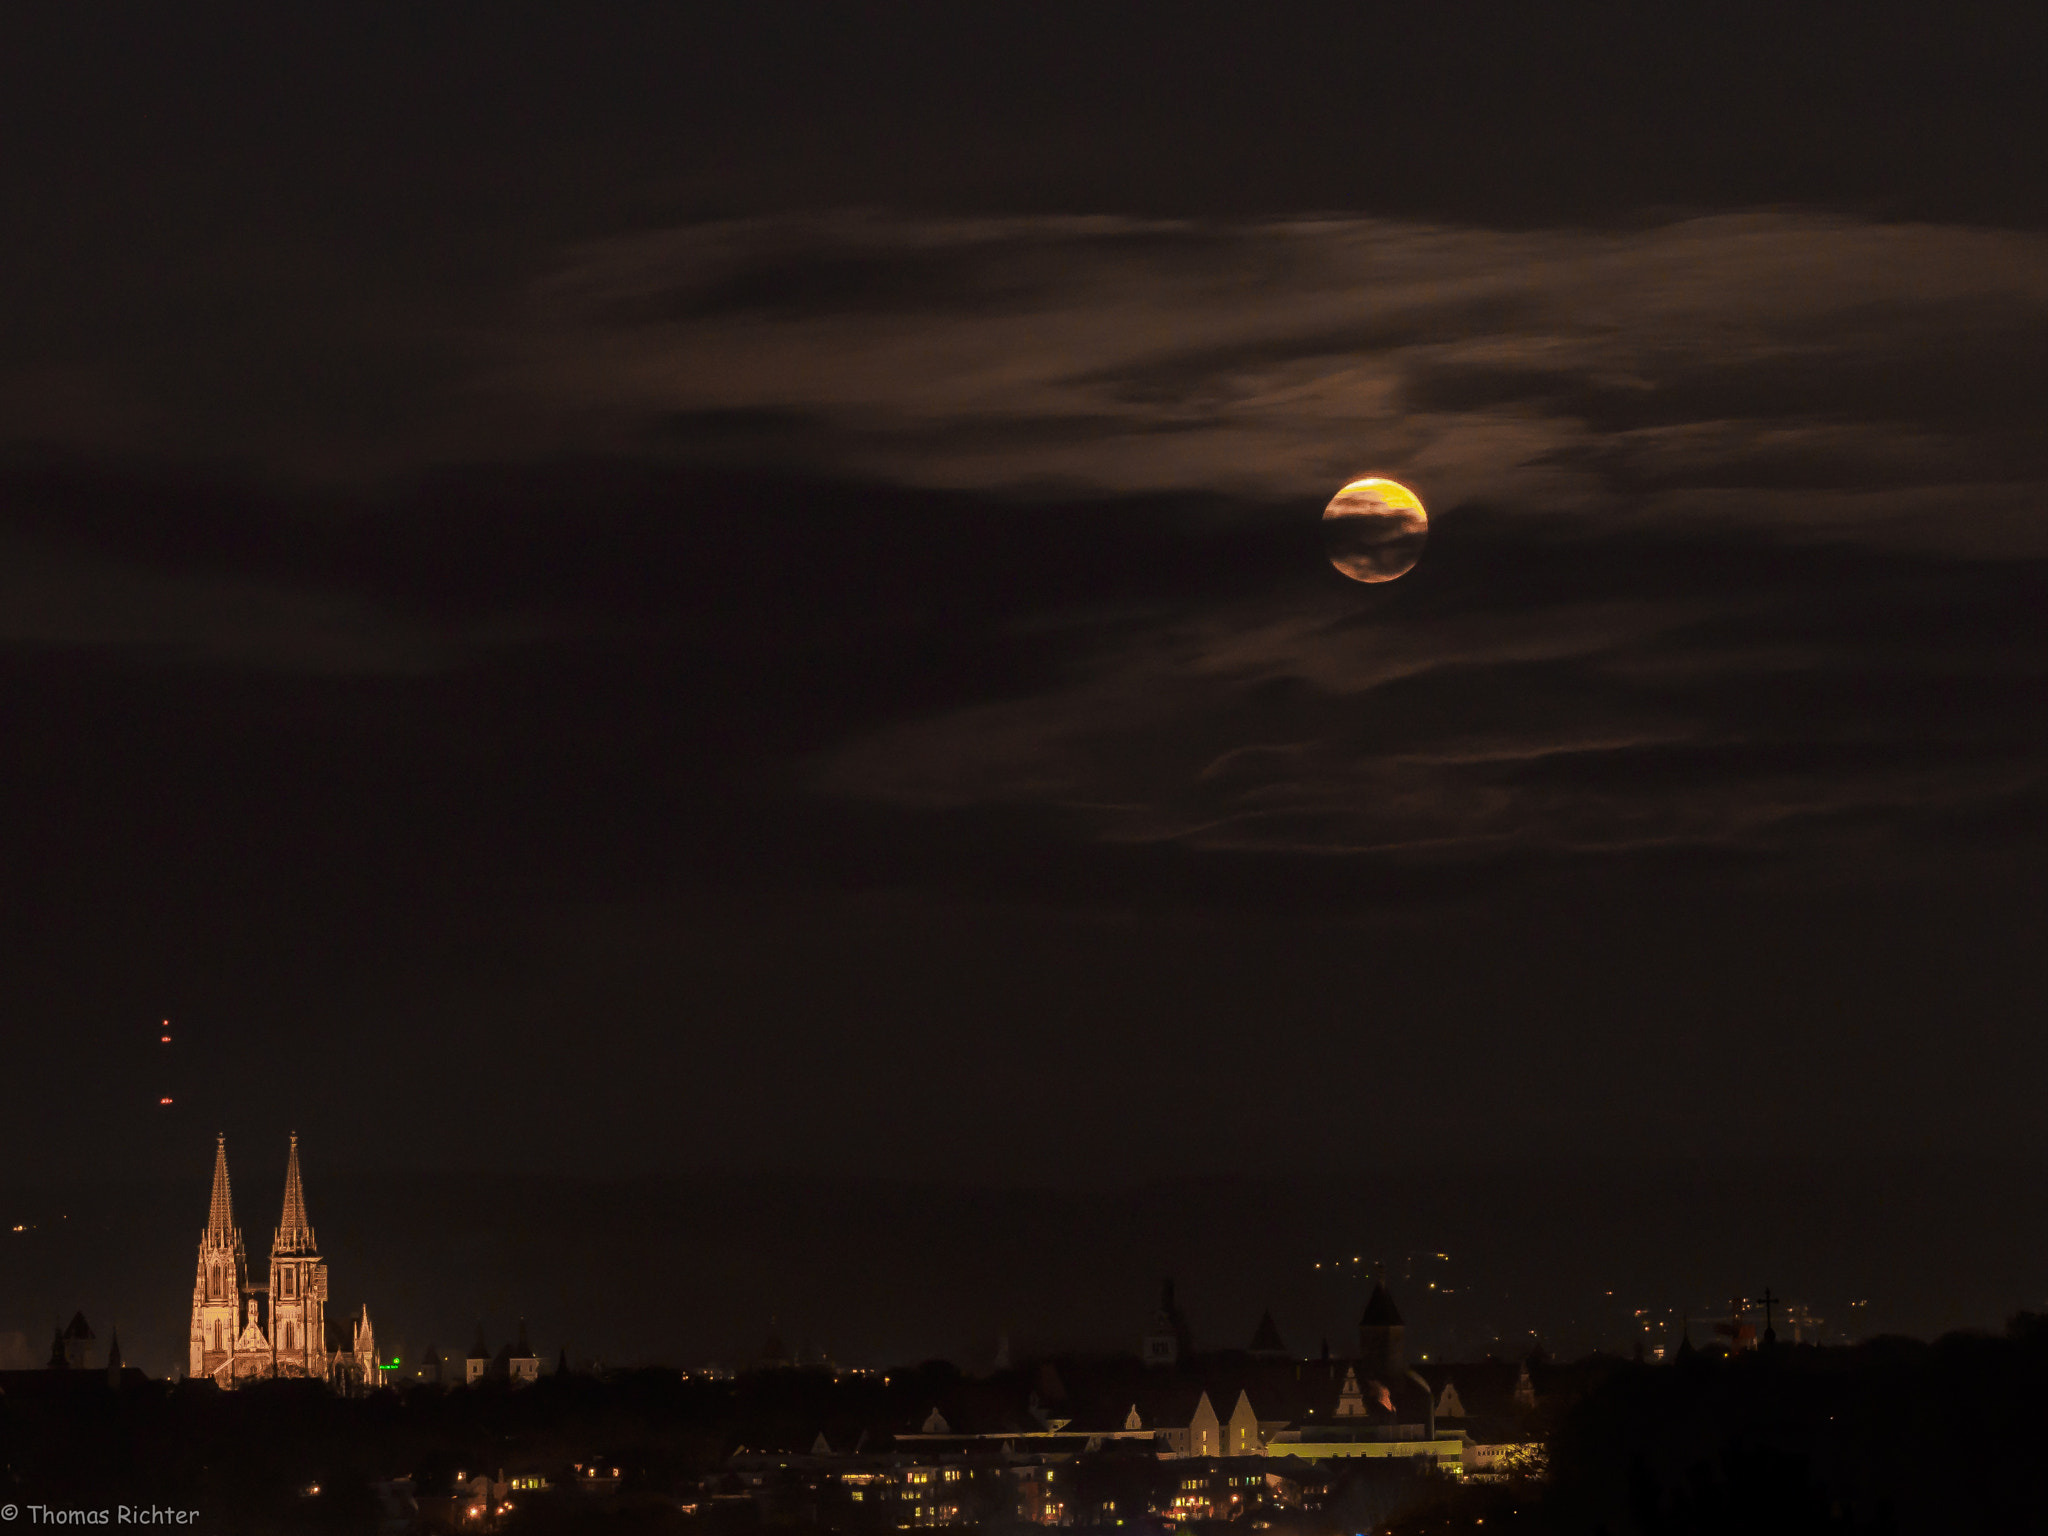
(243, 1330)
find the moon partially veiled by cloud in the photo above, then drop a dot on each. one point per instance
(1375, 529)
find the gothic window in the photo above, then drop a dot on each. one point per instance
(287, 1282)
(216, 1281)
(216, 1326)
(288, 1336)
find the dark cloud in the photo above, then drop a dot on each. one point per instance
(757, 654)
(1519, 692)
(509, 587)
(1841, 373)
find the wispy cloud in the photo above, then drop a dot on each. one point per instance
(1723, 488)
(1569, 728)
(1533, 692)
(1808, 374)
(1656, 410)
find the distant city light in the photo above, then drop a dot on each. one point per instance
(163, 1101)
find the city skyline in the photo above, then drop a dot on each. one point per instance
(877, 1274)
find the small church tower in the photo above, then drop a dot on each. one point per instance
(1266, 1343)
(1380, 1334)
(223, 1276)
(298, 1283)
(1170, 1340)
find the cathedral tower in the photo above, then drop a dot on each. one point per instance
(245, 1330)
(223, 1276)
(298, 1284)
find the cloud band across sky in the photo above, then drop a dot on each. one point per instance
(1637, 431)
(1712, 497)
(1808, 375)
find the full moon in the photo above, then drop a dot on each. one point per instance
(1375, 529)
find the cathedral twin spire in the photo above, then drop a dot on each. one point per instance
(220, 1218)
(294, 1232)
(243, 1328)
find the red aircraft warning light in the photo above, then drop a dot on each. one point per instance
(163, 1101)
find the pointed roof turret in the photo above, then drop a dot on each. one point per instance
(220, 1215)
(294, 1234)
(1266, 1341)
(1380, 1311)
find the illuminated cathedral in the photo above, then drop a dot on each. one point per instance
(242, 1330)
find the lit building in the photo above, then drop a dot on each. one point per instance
(1444, 1449)
(242, 1330)
(1219, 1488)
(516, 1363)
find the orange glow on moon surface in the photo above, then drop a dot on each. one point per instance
(1374, 529)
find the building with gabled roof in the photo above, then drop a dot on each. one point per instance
(516, 1362)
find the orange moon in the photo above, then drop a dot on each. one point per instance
(1375, 529)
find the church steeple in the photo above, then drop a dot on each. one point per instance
(220, 1218)
(294, 1234)
(221, 1279)
(297, 1293)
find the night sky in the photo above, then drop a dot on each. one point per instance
(709, 592)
